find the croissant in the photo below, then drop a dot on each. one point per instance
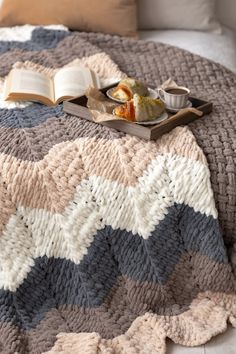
(127, 88)
(140, 109)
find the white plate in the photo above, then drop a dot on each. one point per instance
(175, 110)
(151, 122)
(164, 116)
(151, 93)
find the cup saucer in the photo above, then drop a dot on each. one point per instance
(175, 110)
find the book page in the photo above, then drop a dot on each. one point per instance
(29, 82)
(73, 81)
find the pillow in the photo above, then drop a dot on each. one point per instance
(178, 14)
(108, 16)
(227, 12)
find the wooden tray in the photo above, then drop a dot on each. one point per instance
(77, 107)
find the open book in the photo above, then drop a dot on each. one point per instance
(28, 85)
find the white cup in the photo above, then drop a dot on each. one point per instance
(174, 97)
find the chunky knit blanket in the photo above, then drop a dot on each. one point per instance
(110, 244)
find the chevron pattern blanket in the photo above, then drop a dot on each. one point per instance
(109, 243)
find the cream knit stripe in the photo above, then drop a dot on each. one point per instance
(24, 33)
(148, 333)
(31, 233)
(6, 206)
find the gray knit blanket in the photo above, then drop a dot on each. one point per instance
(110, 244)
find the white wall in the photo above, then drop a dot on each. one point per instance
(226, 10)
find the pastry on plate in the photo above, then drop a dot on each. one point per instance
(127, 88)
(140, 109)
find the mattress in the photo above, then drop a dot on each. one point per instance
(219, 48)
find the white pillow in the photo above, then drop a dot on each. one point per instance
(178, 14)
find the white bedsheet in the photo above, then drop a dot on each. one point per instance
(219, 48)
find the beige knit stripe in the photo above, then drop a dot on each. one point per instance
(118, 152)
(28, 183)
(83, 157)
(101, 63)
(181, 141)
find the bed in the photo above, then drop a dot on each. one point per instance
(110, 244)
(208, 45)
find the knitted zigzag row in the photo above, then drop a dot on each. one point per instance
(59, 203)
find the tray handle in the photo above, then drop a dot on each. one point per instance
(189, 109)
